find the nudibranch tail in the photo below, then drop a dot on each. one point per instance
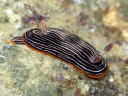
(16, 40)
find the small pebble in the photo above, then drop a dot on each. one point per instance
(59, 77)
(77, 1)
(111, 79)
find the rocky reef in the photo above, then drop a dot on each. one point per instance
(24, 72)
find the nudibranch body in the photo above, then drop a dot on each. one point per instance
(65, 46)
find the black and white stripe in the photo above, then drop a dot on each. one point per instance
(18, 40)
(66, 46)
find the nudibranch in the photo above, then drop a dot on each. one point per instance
(67, 47)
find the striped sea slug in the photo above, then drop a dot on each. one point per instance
(67, 47)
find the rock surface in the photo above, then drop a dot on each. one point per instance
(24, 72)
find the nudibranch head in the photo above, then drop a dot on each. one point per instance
(67, 47)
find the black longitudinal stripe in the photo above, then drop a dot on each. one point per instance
(72, 61)
(52, 43)
(77, 41)
(57, 51)
(87, 48)
(84, 59)
(54, 35)
(60, 31)
(18, 40)
(48, 40)
(53, 39)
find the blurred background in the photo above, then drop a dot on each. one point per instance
(24, 72)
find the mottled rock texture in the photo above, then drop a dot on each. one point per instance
(24, 72)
